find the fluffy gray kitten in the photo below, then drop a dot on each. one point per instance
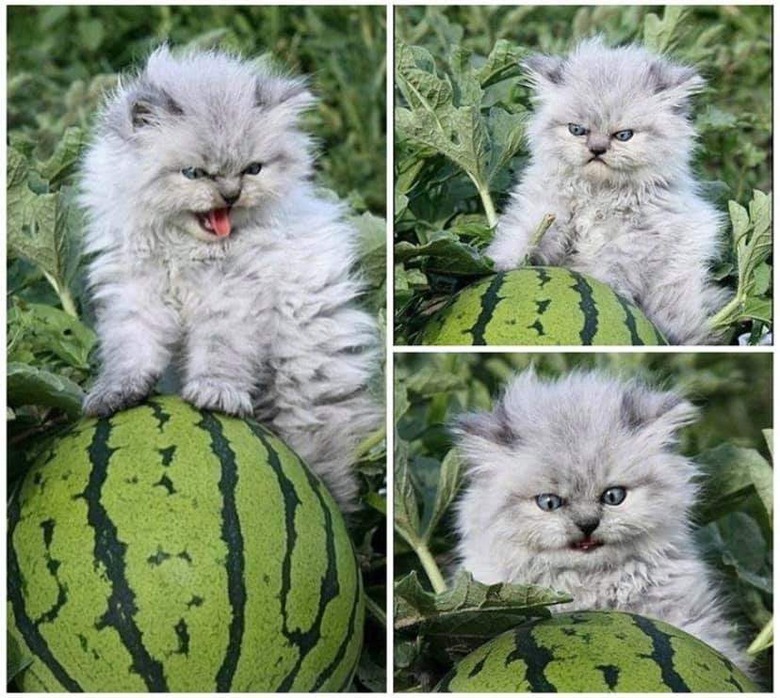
(574, 484)
(211, 248)
(611, 144)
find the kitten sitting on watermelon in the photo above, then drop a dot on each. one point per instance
(574, 484)
(611, 141)
(211, 249)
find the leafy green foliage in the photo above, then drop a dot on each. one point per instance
(62, 62)
(435, 624)
(461, 113)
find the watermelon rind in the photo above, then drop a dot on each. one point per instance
(595, 652)
(536, 306)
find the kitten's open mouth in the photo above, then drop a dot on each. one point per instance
(585, 544)
(216, 222)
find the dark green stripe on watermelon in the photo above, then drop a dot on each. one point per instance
(526, 646)
(234, 542)
(663, 654)
(590, 311)
(490, 300)
(110, 552)
(329, 586)
(27, 627)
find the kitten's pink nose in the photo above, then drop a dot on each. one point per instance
(597, 144)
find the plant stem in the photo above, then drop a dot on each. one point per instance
(431, 568)
(375, 609)
(723, 318)
(487, 201)
(66, 299)
(764, 639)
(536, 238)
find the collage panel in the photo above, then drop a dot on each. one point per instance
(209, 418)
(583, 176)
(583, 522)
(196, 219)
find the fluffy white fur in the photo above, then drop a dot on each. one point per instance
(261, 321)
(576, 438)
(632, 218)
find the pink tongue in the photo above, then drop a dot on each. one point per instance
(219, 220)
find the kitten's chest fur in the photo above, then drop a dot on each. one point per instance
(636, 586)
(595, 226)
(623, 589)
(609, 238)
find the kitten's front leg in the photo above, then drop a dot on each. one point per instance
(136, 332)
(221, 359)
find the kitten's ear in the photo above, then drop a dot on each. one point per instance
(293, 93)
(149, 106)
(677, 82)
(478, 434)
(544, 69)
(661, 413)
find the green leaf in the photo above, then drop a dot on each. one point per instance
(464, 80)
(456, 132)
(43, 329)
(65, 158)
(468, 611)
(418, 80)
(445, 254)
(28, 385)
(502, 63)
(447, 488)
(507, 136)
(739, 544)
(660, 35)
(752, 244)
(406, 509)
(729, 472)
(40, 228)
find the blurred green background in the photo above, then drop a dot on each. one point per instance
(731, 441)
(729, 44)
(57, 55)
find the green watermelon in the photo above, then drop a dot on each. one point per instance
(595, 652)
(536, 306)
(172, 549)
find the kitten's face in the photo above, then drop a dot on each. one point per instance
(211, 143)
(612, 115)
(576, 478)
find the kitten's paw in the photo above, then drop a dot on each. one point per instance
(108, 398)
(210, 394)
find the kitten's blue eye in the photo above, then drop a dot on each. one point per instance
(194, 172)
(577, 130)
(254, 168)
(548, 502)
(624, 136)
(613, 496)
